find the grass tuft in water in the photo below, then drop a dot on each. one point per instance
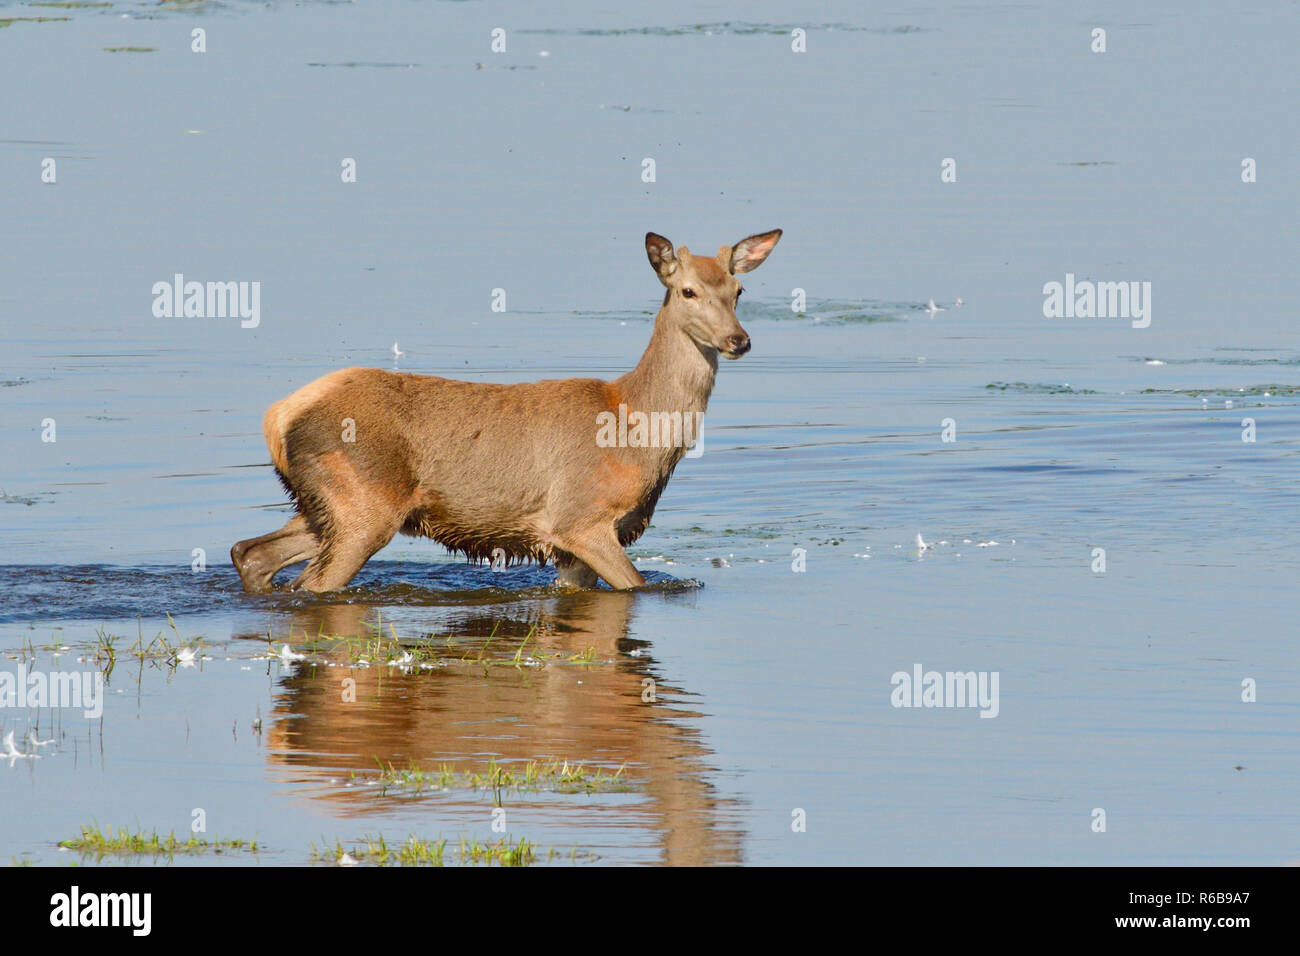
(104, 649)
(412, 655)
(414, 852)
(105, 842)
(534, 777)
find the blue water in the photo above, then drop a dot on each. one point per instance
(1119, 691)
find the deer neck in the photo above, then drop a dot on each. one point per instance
(674, 374)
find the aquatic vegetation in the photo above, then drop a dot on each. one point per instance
(354, 64)
(104, 650)
(17, 499)
(534, 777)
(409, 655)
(416, 852)
(763, 532)
(1289, 361)
(501, 852)
(1039, 388)
(8, 21)
(737, 28)
(106, 842)
(826, 311)
(1259, 390)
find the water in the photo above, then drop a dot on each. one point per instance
(1119, 690)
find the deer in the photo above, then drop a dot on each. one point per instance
(526, 471)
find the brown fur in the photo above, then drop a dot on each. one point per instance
(480, 467)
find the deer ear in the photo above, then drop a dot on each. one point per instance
(660, 252)
(748, 254)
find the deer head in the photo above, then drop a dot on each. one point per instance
(703, 292)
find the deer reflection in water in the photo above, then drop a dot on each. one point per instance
(465, 714)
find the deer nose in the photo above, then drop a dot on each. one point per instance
(738, 344)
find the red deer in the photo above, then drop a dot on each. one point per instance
(485, 470)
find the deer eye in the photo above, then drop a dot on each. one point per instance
(689, 293)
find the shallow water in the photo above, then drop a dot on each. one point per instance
(1118, 690)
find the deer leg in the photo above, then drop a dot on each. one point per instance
(573, 573)
(600, 551)
(258, 559)
(341, 557)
